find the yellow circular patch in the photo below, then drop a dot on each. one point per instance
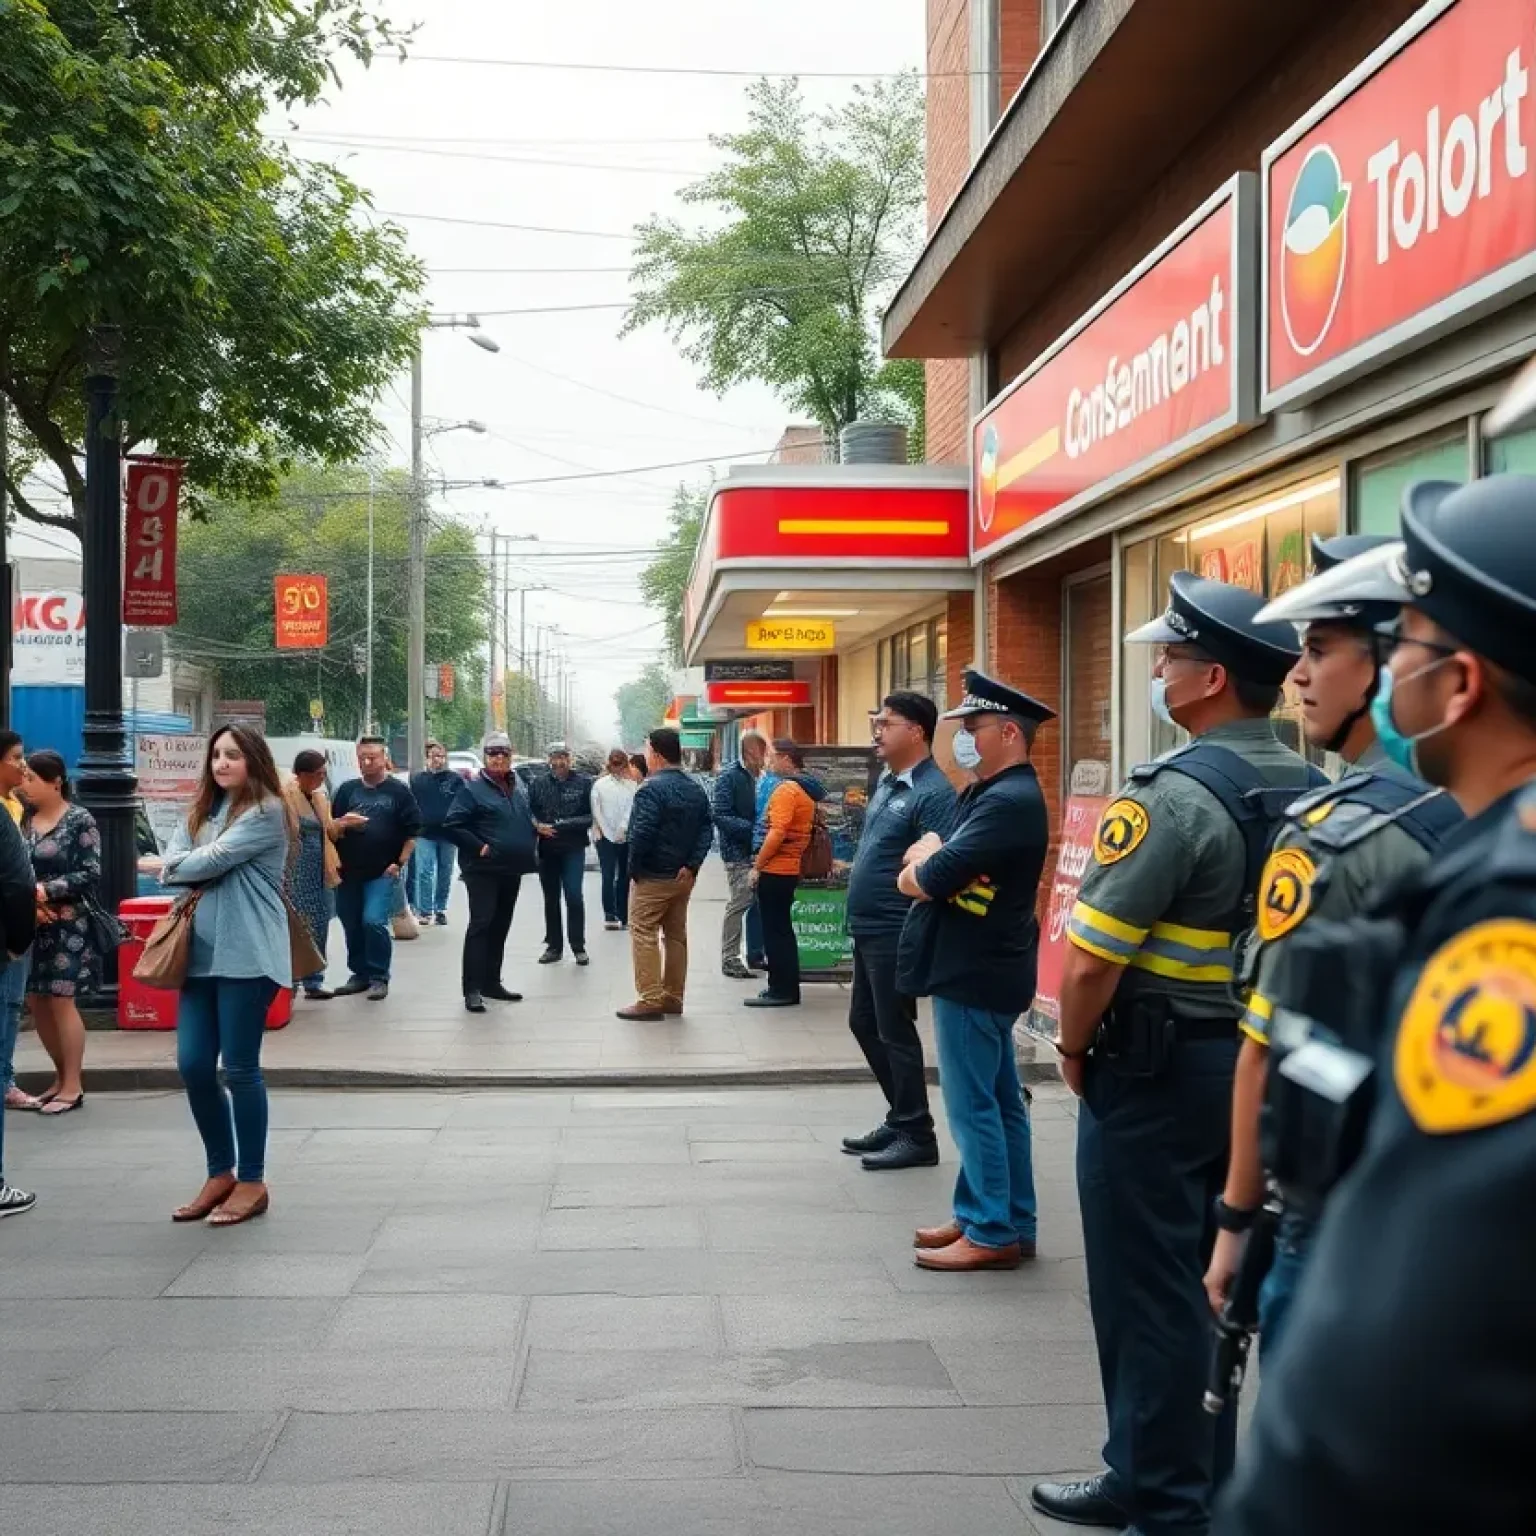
(1121, 829)
(1285, 892)
(1466, 1047)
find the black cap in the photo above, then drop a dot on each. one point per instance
(1328, 555)
(986, 696)
(1222, 621)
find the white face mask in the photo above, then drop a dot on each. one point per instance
(965, 750)
(1160, 701)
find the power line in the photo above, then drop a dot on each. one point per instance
(645, 469)
(529, 229)
(675, 69)
(469, 154)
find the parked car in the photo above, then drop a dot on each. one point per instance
(465, 763)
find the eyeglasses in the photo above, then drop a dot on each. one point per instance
(497, 752)
(1389, 641)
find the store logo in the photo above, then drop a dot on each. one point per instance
(1314, 250)
(986, 480)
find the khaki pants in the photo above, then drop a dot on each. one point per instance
(658, 937)
(737, 905)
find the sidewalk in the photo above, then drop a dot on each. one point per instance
(563, 1032)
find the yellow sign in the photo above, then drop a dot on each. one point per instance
(1121, 830)
(791, 635)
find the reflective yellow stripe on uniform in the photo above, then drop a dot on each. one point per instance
(1255, 1022)
(1186, 954)
(1103, 935)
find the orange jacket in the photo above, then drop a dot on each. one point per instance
(790, 813)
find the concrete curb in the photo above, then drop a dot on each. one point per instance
(157, 1079)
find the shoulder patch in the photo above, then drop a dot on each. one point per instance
(1121, 829)
(1466, 1047)
(1285, 892)
(1318, 813)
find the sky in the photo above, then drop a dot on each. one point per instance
(565, 396)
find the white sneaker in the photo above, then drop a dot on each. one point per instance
(14, 1201)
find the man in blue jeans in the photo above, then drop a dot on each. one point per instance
(375, 821)
(18, 922)
(562, 818)
(970, 943)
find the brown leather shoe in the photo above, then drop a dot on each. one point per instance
(641, 1013)
(672, 1006)
(963, 1255)
(937, 1237)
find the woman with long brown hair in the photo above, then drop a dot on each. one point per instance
(232, 850)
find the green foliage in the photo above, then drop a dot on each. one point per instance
(813, 221)
(319, 526)
(643, 705)
(664, 581)
(257, 312)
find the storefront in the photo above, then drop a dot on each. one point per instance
(817, 589)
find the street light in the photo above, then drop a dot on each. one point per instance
(416, 643)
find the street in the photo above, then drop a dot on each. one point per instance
(532, 1312)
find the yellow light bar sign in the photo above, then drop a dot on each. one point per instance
(791, 635)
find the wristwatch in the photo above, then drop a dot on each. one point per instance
(1231, 1218)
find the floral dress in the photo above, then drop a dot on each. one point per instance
(66, 862)
(306, 878)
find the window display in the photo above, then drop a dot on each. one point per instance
(1378, 484)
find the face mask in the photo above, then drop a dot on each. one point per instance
(965, 750)
(1160, 701)
(1400, 749)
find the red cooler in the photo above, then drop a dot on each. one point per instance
(143, 1007)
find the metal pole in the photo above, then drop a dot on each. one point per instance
(490, 639)
(506, 654)
(369, 724)
(525, 724)
(108, 786)
(416, 642)
(538, 694)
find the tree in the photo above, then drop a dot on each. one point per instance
(643, 704)
(665, 580)
(319, 526)
(817, 218)
(254, 309)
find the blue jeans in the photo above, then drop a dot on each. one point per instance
(561, 871)
(365, 907)
(1293, 1241)
(434, 874)
(613, 859)
(13, 994)
(224, 1017)
(995, 1192)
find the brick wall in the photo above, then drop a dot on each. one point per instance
(1018, 44)
(1090, 663)
(960, 628)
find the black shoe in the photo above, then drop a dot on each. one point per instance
(442, 919)
(501, 994)
(549, 957)
(1085, 1503)
(378, 992)
(903, 1150)
(473, 1003)
(734, 970)
(318, 994)
(351, 986)
(876, 1141)
(757, 963)
(581, 957)
(768, 1000)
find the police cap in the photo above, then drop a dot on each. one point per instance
(1222, 621)
(1467, 560)
(986, 696)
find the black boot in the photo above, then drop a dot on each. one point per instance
(474, 1003)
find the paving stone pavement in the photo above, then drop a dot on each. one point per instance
(538, 1313)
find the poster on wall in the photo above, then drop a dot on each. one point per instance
(1079, 822)
(149, 543)
(848, 775)
(48, 638)
(169, 768)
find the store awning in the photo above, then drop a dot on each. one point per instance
(1122, 91)
(800, 560)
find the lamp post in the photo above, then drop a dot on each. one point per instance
(416, 642)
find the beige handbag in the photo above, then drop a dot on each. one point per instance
(168, 949)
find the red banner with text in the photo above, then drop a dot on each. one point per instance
(149, 543)
(303, 621)
(1079, 822)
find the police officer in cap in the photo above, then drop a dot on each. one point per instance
(1149, 1039)
(1339, 847)
(970, 942)
(1405, 1394)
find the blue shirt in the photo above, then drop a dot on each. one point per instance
(904, 807)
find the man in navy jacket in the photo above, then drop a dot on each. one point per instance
(735, 807)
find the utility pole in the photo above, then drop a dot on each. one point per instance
(416, 641)
(525, 725)
(506, 654)
(490, 662)
(538, 696)
(108, 786)
(369, 724)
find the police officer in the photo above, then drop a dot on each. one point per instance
(1149, 1039)
(1404, 1398)
(1339, 847)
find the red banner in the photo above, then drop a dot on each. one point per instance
(1404, 202)
(1079, 822)
(1157, 368)
(755, 695)
(149, 543)
(303, 622)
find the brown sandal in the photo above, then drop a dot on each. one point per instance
(207, 1200)
(231, 1215)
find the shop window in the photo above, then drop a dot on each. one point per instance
(1515, 454)
(1378, 484)
(915, 659)
(1261, 544)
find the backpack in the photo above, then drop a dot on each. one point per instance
(816, 857)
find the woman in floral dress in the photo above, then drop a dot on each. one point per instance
(66, 860)
(315, 871)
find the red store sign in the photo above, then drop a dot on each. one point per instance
(1159, 367)
(757, 695)
(149, 543)
(1079, 824)
(1404, 204)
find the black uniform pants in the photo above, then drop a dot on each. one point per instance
(776, 901)
(1151, 1159)
(492, 901)
(885, 1025)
